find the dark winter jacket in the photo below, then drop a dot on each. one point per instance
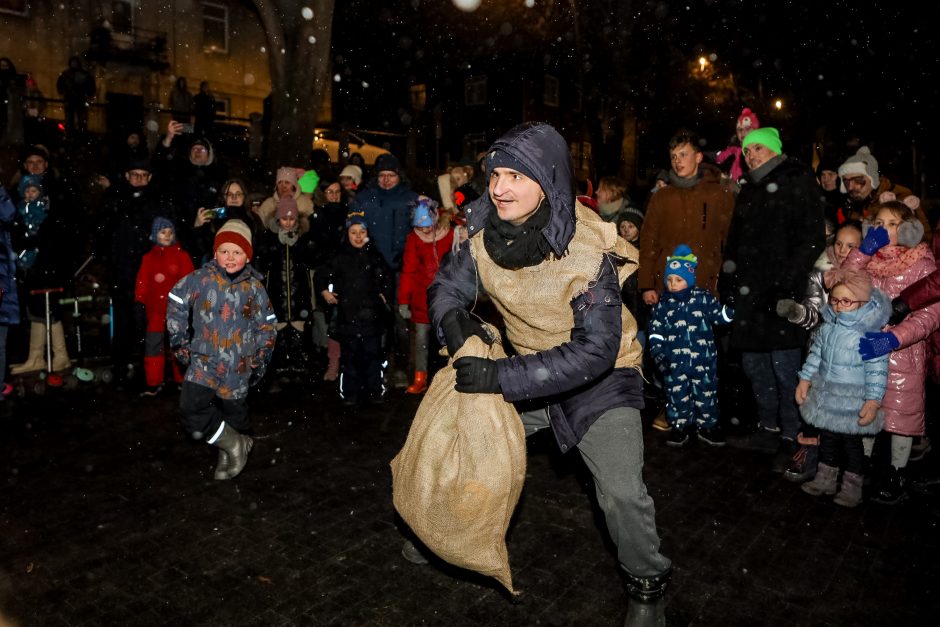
(361, 279)
(592, 364)
(840, 381)
(284, 260)
(388, 214)
(777, 233)
(9, 302)
(232, 323)
(189, 186)
(128, 232)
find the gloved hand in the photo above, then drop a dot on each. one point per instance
(258, 368)
(477, 375)
(790, 309)
(458, 326)
(899, 310)
(659, 358)
(877, 344)
(404, 311)
(875, 240)
(182, 355)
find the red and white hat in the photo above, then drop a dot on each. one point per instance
(234, 232)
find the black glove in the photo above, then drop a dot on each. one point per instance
(477, 375)
(458, 326)
(899, 310)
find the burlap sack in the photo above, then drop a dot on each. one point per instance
(459, 475)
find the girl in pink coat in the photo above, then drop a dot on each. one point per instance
(430, 239)
(895, 256)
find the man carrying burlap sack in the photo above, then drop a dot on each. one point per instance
(554, 271)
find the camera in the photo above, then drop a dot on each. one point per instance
(216, 213)
(186, 128)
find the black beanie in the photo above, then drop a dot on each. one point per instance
(500, 159)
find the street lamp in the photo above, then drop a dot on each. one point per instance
(778, 104)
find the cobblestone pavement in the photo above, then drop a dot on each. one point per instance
(110, 516)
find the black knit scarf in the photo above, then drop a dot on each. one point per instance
(513, 247)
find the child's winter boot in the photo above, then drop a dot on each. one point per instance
(850, 494)
(420, 383)
(824, 482)
(891, 490)
(333, 352)
(237, 446)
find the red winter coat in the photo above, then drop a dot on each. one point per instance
(160, 269)
(419, 265)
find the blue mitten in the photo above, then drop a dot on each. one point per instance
(877, 344)
(875, 240)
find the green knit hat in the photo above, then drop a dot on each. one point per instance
(767, 136)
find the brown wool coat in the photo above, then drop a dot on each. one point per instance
(698, 216)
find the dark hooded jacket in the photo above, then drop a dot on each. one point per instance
(584, 382)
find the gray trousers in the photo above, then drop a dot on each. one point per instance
(613, 451)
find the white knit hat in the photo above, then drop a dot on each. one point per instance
(354, 172)
(862, 162)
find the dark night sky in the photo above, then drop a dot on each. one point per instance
(862, 69)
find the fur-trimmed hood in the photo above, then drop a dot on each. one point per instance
(871, 316)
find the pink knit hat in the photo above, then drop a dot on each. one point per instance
(748, 120)
(858, 283)
(287, 174)
(286, 206)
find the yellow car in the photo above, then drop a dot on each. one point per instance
(328, 141)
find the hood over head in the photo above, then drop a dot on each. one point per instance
(543, 154)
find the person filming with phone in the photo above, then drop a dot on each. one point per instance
(187, 170)
(232, 203)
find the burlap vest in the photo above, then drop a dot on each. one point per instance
(535, 302)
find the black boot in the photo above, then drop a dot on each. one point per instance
(646, 607)
(237, 446)
(891, 490)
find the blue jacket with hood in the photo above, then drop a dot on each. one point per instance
(578, 379)
(840, 381)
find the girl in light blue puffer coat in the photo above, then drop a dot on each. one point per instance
(838, 392)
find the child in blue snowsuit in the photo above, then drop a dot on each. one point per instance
(682, 345)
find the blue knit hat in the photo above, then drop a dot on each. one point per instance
(29, 180)
(425, 213)
(160, 223)
(356, 217)
(682, 263)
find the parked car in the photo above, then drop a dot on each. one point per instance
(328, 141)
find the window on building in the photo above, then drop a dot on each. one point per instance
(419, 97)
(214, 27)
(122, 16)
(474, 90)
